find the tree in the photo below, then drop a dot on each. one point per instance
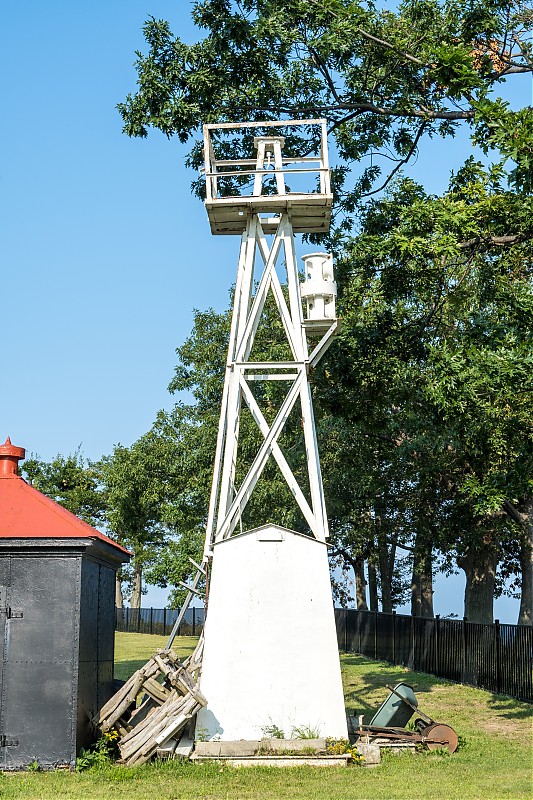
(435, 291)
(72, 481)
(136, 483)
(436, 361)
(384, 80)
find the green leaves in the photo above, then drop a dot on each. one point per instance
(453, 71)
(383, 79)
(72, 481)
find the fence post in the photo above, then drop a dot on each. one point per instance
(394, 637)
(375, 635)
(497, 642)
(151, 619)
(193, 620)
(165, 621)
(411, 662)
(345, 617)
(463, 676)
(437, 642)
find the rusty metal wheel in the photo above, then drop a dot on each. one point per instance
(437, 735)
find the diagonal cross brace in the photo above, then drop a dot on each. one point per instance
(280, 459)
(227, 526)
(246, 341)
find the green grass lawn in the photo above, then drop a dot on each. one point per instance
(494, 763)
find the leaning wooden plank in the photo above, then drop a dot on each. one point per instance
(175, 725)
(113, 702)
(148, 751)
(107, 710)
(150, 747)
(145, 729)
(135, 746)
(170, 708)
(160, 721)
(124, 704)
(155, 690)
(144, 725)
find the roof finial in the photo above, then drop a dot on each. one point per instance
(9, 459)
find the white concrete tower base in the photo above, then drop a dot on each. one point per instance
(271, 655)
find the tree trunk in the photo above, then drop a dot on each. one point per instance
(479, 567)
(119, 599)
(360, 585)
(372, 587)
(422, 580)
(525, 615)
(385, 573)
(137, 586)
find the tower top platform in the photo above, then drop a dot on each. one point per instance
(269, 182)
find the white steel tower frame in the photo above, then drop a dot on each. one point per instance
(253, 671)
(311, 209)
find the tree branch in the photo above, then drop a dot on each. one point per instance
(392, 47)
(426, 115)
(325, 72)
(399, 164)
(378, 41)
(500, 241)
(514, 513)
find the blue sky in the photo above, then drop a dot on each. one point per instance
(104, 253)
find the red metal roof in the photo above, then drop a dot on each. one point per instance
(26, 513)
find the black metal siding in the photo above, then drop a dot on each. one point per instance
(56, 670)
(97, 638)
(39, 671)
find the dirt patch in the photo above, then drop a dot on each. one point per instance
(511, 729)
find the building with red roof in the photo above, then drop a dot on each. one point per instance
(57, 617)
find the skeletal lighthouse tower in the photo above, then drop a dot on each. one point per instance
(270, 654)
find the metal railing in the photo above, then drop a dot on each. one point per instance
(159, 620)
(496, 657)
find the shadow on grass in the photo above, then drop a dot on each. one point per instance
(370, 688)
(125, 669)
(370, 679)
(507, 707)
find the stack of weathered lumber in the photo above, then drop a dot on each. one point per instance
(154, 705)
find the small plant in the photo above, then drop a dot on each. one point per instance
(305, 732)
(33, 766)
(341, 747)
(100, 754)
(201, 734)
(441, 751)
(272, 731)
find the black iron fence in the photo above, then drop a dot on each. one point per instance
(495, 657)
(159, 620)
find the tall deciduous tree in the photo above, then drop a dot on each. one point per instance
(435, 363)
(136, 485)
(72, 481)
(384, 79)
(431, 374)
